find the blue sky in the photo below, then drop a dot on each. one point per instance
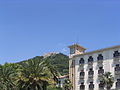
(31, 28)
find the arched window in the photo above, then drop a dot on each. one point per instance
(90, 72)
(82, 73)
(117, 67)
(116, 54)
(82, 86)
(81, 61)
(90, 59)
(91, 86)
(101, 85)
(118, 83)
(101, 70)
(100, 57)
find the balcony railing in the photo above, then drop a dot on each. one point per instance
(100, 61)
(90, 62)
(117, 76)
(81, 65)
(81, 77)
(100, 64)
(90, 79)
(90, 66)
(117, 72)
(116, 60)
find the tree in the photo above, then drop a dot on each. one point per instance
(108, 80)
(36, 75)
(8, 76)
(67, 84)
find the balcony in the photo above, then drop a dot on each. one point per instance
(100, 61)
(90, 74)
(90, 65)
(100, 72)
(81, 77)
(117, 70)
(90, 79)
(90, 60)
(81, 62)
(117, 76)
(100, 64)
(116, 60)
(82, 74)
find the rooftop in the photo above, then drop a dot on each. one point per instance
(75, 44)
(99, 50)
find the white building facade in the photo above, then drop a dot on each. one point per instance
(86, 68)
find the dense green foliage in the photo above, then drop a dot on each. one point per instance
(67, 84)
(34, 74)
(61, 62)
(108, 80)
(28, 75)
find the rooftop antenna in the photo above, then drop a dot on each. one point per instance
(77, 39)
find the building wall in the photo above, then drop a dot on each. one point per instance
(72, 72)
(108, 66)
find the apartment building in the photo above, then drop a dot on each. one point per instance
(86, 68)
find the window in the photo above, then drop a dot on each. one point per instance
(118, 83)
(117, 65)
(91, 86)
(82, 73)
(101, 70)
(117, 68)
(91, 72)
(82, 86)
(90, 59)
(72, 50)
(116, 54)
(101, 85)
(81, 61)
(100, 57)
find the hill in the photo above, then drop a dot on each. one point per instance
(59, 60)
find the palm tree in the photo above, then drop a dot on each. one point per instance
(67, 84)
(8, 77)
(108, 80)
(36, 75)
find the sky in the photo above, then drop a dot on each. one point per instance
(30, 28)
